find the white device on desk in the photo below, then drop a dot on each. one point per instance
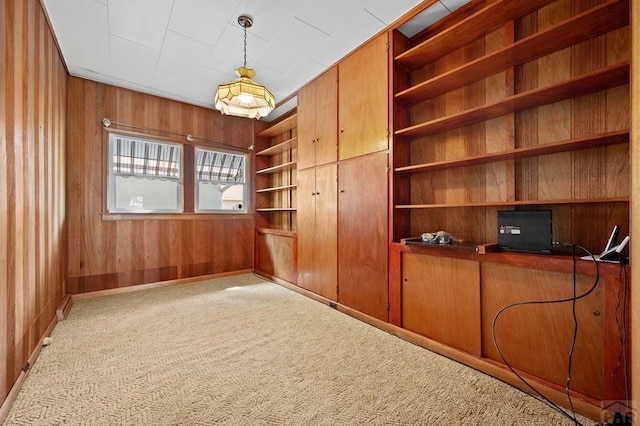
(611, 252)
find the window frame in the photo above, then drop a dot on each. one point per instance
(245, 183)
(111, 174)
(188, 179)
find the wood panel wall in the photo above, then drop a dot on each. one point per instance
(110, 251)
(33, 241)
(635, 201)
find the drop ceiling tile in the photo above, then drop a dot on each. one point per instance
(82, 61)
(360, 28)
(322, 14)
(202, 20)
(388, 11)
(182, 55)
(298, 76)
(141, 21)
(291, 45)
(176, 86)
(227, 54)
(84, 23)
(131, 61)
(268, 16)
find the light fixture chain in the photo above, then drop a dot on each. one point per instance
(245, 46)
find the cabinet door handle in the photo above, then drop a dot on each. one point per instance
(341, 130)
(342, 190)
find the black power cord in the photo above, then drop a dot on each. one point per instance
(571, 415)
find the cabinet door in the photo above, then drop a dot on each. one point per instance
(318, 121)
(362, 237)
(326, 228)
(363, 100)
(306, 126)
(306, 216)
(326, 87)
(317, 230)
(441, 300)
(536, 338)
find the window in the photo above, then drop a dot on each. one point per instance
(144, 175)
(220, 181)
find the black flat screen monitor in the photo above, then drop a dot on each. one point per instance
(527, 231)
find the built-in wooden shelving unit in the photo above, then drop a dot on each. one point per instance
(536, 117)
(511, 105)
(276, 177)
(276, 199)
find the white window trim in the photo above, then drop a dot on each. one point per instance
(245, 183)
(111, 195)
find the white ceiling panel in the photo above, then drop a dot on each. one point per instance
(347, 38)
(298, 76)
(81, 60)
(140, 21)
(291, 45)
(132, 62)
(269, 16)
(227, 54)
(81, 22)
(182, 55)
(182, 49)
(388, 11)
(202, 20)
(322, 14)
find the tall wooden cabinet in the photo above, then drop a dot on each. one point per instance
(317, 230)
(317, 183)
(363, 236)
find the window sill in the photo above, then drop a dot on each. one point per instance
(175, 216)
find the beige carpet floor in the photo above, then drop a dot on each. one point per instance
(244, 351)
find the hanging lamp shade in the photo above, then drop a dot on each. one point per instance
(244, 97)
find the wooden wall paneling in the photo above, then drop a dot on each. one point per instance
(117, 250)
(7, 375)
(32, 160)
(545, 356)
(635, 200)
(441, 300)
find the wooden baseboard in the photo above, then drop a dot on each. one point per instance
(139, 287)
(65, 307)
(15, 389)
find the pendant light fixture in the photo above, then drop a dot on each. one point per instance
(244, 97)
